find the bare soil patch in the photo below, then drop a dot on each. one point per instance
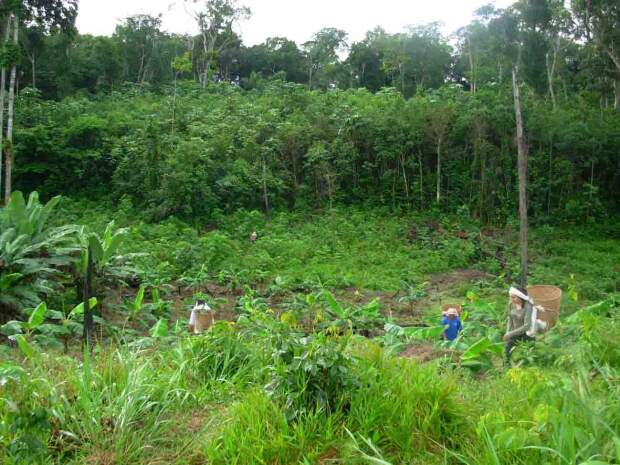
(425, 352)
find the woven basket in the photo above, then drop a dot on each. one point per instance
(445, 307)
(549, 298)
(204, 321)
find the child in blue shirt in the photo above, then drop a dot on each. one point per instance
(452, 324)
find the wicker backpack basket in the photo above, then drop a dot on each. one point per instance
(550, 299)
(204, 321)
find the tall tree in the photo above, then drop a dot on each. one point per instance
(599, 21)
(46, 14)
(215, 22)
(439, 118)
(32, 44)
(138, 38)
(522, 152)
(322, 51)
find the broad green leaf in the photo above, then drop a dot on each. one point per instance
(393, 329)
(160, 329)
(79, 308)
(111, 247)
(7, 280)
(471, 296)
(23, 345)
(137, 303)
(334, 305)
(424, 333)
(476, 348)
(95, 248)
(12, 327)
(155, 295)
(10, 372)
(37, 316)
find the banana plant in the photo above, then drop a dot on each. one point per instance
(478, 356)
(32, 253)
(105, 249)
(109, 266)
(34, 331)
(352, 318)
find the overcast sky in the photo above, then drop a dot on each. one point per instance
(294, 19)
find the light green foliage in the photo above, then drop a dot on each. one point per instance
(61, 326)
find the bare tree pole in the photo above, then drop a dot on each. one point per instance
(551, 61)
(439, 141)
(2, 89)
(9, 123)
(522, 165)
(265, 196)
(88, 314)
(471, 66)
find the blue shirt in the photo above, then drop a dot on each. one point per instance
(452, 327)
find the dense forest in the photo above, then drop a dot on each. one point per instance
(183, 125)
(401, 250)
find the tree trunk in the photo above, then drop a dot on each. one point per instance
(2, 89)
(405, 178)
(522, 164)
(362, 80)
(421, 182)
(551, 63)
(590, 190)
(34, 71)
(141, 68)
(174, 101)
(9, 124)
(472, 84)
(265, 196)
(86, 291)
(439, 141)
(2, 86)
(550, 178)
(394, 187)
(617, 94)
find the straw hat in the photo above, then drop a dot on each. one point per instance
(448, 306)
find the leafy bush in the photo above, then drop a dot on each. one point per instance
(311, 373)
(32, 252)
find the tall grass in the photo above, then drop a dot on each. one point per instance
(224, 398)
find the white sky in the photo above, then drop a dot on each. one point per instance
(294, 19)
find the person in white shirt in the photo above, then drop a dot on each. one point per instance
(201, 306)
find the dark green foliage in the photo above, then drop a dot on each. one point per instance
(286, 147)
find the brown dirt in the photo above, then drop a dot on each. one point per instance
(425, 352)
(101, 458)
(440, 287)
(444, 281)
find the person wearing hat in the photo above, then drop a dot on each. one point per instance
(452, 324)
(520, 317)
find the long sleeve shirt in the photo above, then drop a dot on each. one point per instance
(519, 319)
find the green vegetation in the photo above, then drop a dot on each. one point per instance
(325, 200)
(307, 375)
